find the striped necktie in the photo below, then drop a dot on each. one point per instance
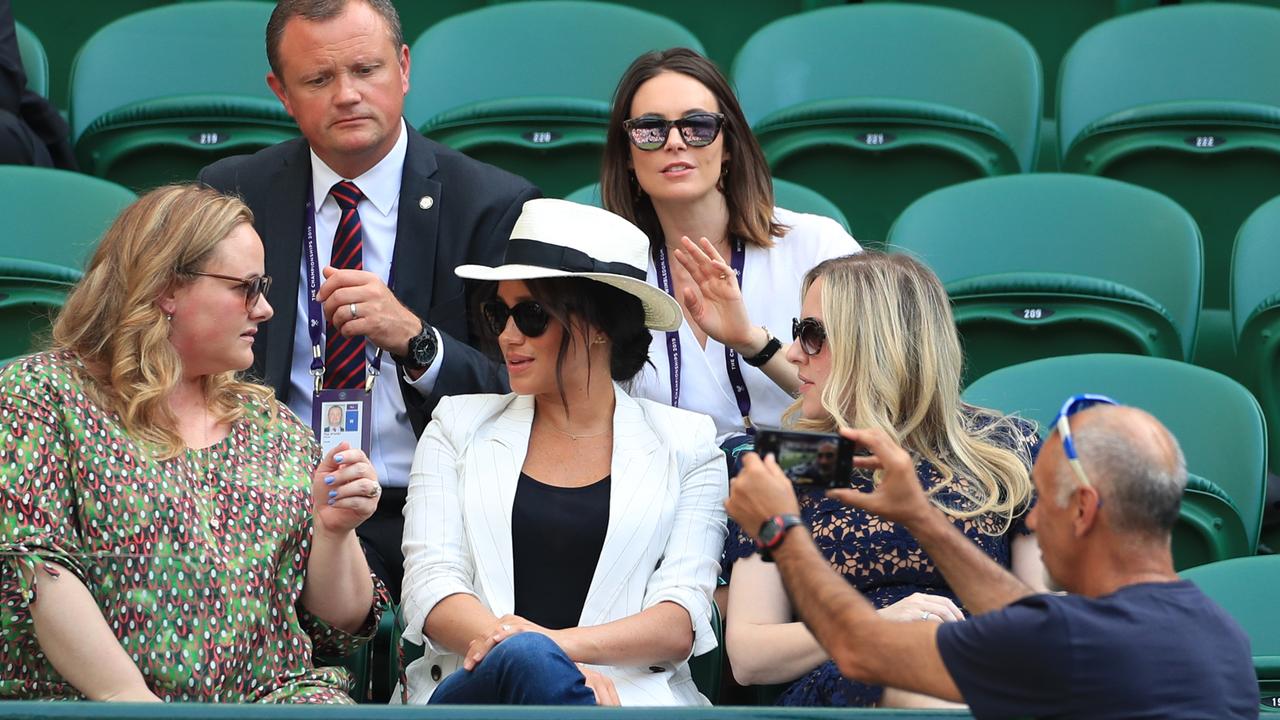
(344, 358)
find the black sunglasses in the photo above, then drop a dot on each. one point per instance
(697, 129)
(810, 333)
(254, 287)
(531, 318)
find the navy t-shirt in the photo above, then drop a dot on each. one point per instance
(1151, 650)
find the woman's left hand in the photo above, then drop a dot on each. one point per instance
(506, 626)
(344, 490)
(714, 299)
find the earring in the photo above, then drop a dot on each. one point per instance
(168, 316)
(724, 173)
(597, 340)
(635, 187)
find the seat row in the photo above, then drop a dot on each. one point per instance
(1036, 265)
(873, 105)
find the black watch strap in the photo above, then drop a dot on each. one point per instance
(767, 352)
(421, 351)
(772, 532)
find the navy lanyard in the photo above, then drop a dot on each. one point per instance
(732, 363)
(315, 311)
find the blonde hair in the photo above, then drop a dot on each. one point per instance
(113, 323)
(896, 364)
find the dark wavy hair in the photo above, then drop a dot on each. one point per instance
(746, 183)
(582, 304)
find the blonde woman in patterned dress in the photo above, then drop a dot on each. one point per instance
(170, 532)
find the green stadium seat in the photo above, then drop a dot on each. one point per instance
(56, 216)
(1247, 589)
(786, 194)
(1040, 265)
(876, 105)
(1255, 312)
(1209, 526)
(526, 86)
(1182, 100)
(1050, 25)
(31, 294)
(64, 25)
(202, 95)
(707, 669)
(34, 60)
(1216, 420)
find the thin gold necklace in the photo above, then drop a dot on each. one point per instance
(574, 437)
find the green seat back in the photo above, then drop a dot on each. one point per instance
(64, 25)
(34, 60)
(526, 86)
(787, 195)
(875, 105)
(31, 294)
(708, 668)
(56, 216)
(1180, 99)
(1209, 526)
(1255, 311)
(1216, 420)
(1040, 265)
(1247, 589)
(1050, 25)
(202, 96)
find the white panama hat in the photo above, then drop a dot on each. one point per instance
(558, 238)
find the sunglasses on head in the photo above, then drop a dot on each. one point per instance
(809, 333)
(254, 286)
(650, 133)
(531, 318)
(1073, 405)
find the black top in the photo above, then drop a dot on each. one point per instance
(1151, 650)
(556, 537)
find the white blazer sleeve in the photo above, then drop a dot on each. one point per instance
(690, 561)
(437, 556)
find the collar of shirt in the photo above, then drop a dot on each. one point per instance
(380, 184)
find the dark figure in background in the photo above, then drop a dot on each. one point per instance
(32, 132)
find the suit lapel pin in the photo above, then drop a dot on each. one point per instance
(426, 202)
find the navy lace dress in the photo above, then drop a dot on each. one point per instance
(884, 562)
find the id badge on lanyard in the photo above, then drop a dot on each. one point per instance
(336, 415)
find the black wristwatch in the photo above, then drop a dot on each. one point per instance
(421, 352)
(772, 346)
(772, 533)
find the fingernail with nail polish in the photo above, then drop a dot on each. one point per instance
(329, 480)
(333, 493)
(337, 458)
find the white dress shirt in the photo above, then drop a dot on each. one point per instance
(392, 436)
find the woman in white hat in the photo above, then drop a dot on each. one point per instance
(561, 542)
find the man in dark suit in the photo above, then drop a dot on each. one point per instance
(392, 215)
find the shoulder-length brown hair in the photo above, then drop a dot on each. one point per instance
(747, 187)
(113, 323)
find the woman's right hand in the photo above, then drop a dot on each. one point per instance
(714, 300)
(922, 606)
(601, 685)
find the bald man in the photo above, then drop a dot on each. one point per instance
(1129, 638)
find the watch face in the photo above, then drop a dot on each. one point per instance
(769, 531)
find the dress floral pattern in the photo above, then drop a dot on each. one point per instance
(883, 561)
(197, 563)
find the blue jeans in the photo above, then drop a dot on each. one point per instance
(524, 669)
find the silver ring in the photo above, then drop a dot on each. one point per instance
(926, 615)
(354, 314)
(375, 492)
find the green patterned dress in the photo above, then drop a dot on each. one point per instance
(197, 563)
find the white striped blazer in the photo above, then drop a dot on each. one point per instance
(665, 533)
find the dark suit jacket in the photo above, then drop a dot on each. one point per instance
(474, 206)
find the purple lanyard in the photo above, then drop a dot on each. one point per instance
(732, 363)
(315, 311)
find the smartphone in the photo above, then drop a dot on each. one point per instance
(809, 458)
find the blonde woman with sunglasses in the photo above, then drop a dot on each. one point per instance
(171, 531)
(876, 347)
(681, 163)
